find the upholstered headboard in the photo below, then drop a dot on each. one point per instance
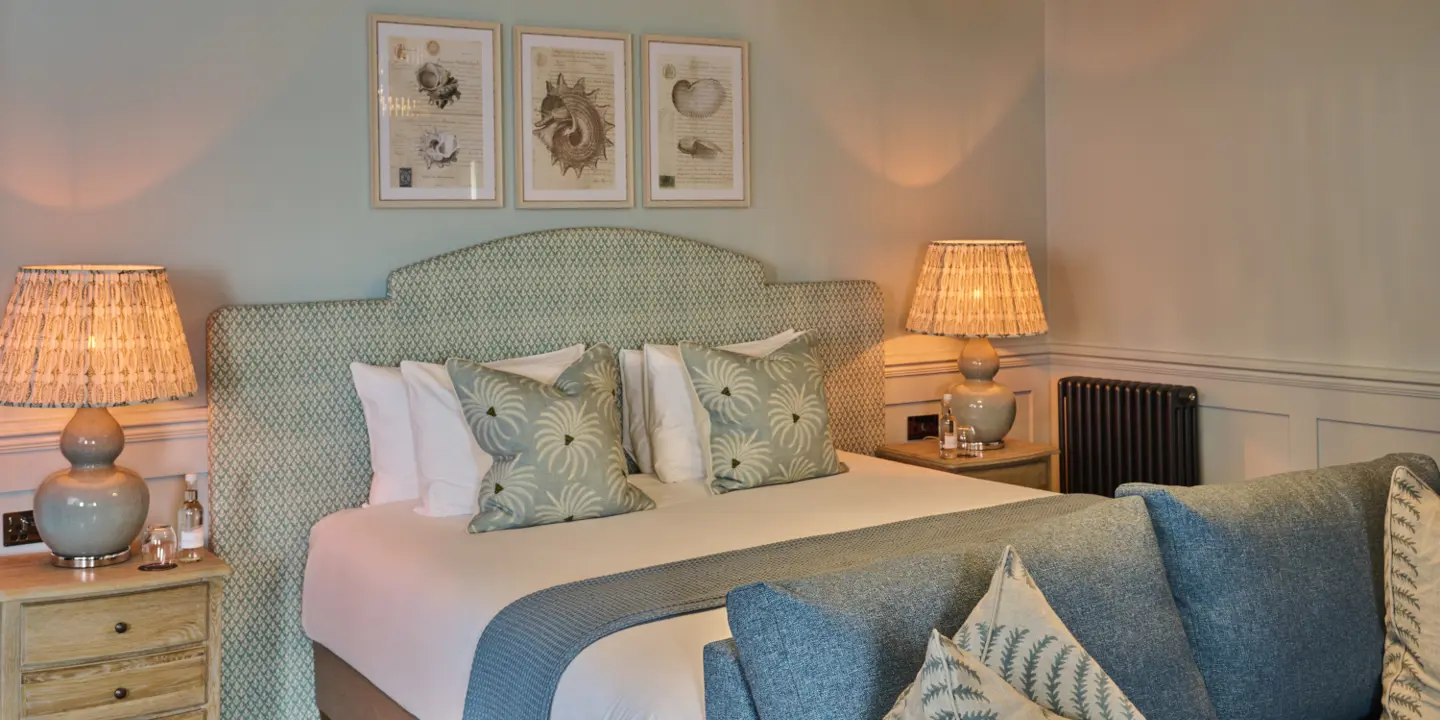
(287, 438)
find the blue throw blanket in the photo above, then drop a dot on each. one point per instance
(527, 646)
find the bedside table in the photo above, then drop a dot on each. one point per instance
(1018, 463)
(112, 643)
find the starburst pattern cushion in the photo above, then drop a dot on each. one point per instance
(1412, 595)
(557, 448)
(769, 422)
(1013, 649)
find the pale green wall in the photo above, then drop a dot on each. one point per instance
(1246, 178)
(228, 140)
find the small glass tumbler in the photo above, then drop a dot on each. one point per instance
(159, 545)
(966, 444)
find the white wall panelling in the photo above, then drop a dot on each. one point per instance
(162, 443)
(1256, 417)
(1256, 421)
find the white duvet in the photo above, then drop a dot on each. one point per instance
(403, 598)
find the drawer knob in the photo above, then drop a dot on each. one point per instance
(120, 693)
(121, 627)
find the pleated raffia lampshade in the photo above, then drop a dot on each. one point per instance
(93, 336)
(977, 288)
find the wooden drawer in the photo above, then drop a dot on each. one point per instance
(1031, 475)
(117, 689)
(88, 629)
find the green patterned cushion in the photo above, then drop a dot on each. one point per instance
(1412, 594)
(955, 685)
(769, 422)
(1016, 638)
(557, 449)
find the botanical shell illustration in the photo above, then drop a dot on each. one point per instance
(699, 147)
(438, 84)
(699, 99)
(572, 126)
(439, 148)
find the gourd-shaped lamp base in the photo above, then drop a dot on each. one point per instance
(979, 401)
(90, 513)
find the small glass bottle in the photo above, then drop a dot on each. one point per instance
(949, 443)
(192, 524)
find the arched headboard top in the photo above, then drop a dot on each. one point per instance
(287, 437)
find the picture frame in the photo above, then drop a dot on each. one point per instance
(435, 113)
(696, 118)
(575, 86)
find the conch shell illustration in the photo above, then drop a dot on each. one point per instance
(699, 99)
(572, 126)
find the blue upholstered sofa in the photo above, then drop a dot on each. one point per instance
(1257, 600)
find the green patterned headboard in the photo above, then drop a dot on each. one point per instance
(287, 438)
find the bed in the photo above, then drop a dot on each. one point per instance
(290, 466)
(423, 591)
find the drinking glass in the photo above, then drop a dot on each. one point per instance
(966, 443)
(159, 546)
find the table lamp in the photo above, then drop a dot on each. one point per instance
(979, 289)
(92, 337)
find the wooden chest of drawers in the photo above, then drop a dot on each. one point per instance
(112, 643)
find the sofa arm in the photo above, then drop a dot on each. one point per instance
(727, 697)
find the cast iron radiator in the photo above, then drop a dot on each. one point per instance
(1114, 431)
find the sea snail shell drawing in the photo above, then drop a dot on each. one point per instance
(572, 126)
(699, 99)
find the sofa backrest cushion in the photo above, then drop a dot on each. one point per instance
(1278, 583)
(841, 646)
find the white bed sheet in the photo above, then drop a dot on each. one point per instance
(403, 598)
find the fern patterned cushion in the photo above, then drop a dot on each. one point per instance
(1412, 596)
(1013, 657)
(955, 685)
(557, 448)
(769, 423)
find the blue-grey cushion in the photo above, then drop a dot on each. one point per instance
(843, 645)
(727, 697)
(1278, 582)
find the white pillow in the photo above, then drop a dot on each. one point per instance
(679, 427)
(387, 422)
(632, 406)
(450, 463)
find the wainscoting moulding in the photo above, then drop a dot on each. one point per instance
(39, 430)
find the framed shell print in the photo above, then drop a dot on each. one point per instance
(572, 119)
(697, 121)
(434, 113)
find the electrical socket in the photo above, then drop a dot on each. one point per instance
(919, 427)
(20, 528)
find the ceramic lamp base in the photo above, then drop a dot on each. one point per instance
(979, 401)
(90, 513)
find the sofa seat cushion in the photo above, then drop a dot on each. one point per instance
(841, 646)
(1278, 583)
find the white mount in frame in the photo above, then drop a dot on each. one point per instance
(435, 113)
(696, 121)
